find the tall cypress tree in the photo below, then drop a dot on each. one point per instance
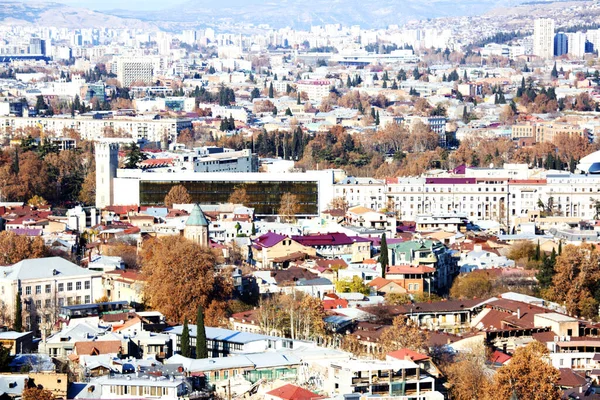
(271, 92)
(201, 350)
(537, 252)
(185, 340)
(18, 327)
(383, 256)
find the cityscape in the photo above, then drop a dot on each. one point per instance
(287, 201)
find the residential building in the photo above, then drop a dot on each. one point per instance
(400, 379)
(45, 285)
(543, 38)
(132, 70)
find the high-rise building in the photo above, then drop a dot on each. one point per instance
(130, 70)
(560, 44)
(543, 38)
(107, 161)
(576, 44)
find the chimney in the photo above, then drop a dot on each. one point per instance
(518, 312)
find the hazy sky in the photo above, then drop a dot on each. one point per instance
(142, 5)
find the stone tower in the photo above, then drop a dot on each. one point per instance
(107, 162)
(196, 227)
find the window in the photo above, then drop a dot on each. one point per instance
(38, 304)
(77, 285)
(27, 290)
(69, 286)
(87, 299)
(38, 289)
(61, 287)
(48, 289)
(88, 284)
(48, 303)
(61, 302)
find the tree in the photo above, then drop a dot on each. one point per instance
(271, 91)
(37, 201)
(133, 156)
(186, 351)
(339, 203)
(201, 349)
(576, 280)
(37, 393)
(177, 195)
(554, 73)
(18, 321)
(255, 94)
(354, 285)
(403, 334)
(173, 264)
(239, 196)
(288, 207)
(383, 257)
(397, 299)
(468, 377)
(14, 248)
(527, 376)
(476, 284)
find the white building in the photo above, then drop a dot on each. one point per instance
(45, 285)
(543, 38)
(130, 70)
(576, 44)
(316, 89)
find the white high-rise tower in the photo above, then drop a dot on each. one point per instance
(543, 38)
(107, 162)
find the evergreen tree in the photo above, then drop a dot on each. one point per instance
(546, 271)
(554, 73)
(40, 104)
(375, 77)
(384, 85)
(201, 349)
(559, 248)
(76, 106)
(377, 121)
(383, 256)
(536, 256)
(401, 75)
(185, 340)
(373, 113)
(416, 74)
(255, 94)
(465, 78)
(349, 82)
(288, 112)
(134, 156)
(18, 325)
(298, 102)
(394, 85)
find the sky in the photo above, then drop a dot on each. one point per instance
(139, 5)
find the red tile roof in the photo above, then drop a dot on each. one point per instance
(333, 304)
(403, 354)
(409, 269)
(293, 392)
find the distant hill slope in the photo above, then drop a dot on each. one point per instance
(60, 15)
(304, 13)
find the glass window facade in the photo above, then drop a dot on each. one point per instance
(264, 197)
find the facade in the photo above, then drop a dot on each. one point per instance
(543, 38)
(561, 46)
(196, 227)
(400, 379)
(130, 70)
(92, 128)
(316, 89)
(313, 188)
(107, 161)
(216, 159)
(45, 285)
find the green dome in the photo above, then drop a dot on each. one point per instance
(197, 217)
